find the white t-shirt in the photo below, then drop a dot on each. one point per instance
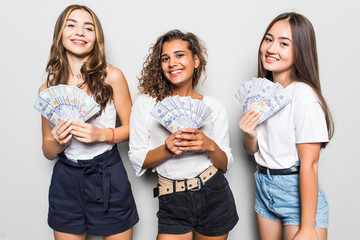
(84, 151)
(301, 121)
(146, 133)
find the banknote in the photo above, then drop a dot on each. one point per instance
(177, 112)
(65, 102)
(262, 96)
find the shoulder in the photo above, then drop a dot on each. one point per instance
(144, 101)
(303, 94)
(214, 103)
(42, 88)
(114, 75)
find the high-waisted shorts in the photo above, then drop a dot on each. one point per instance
(92, 196)
(277, 198)
(210, 211)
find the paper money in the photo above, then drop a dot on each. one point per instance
(65, 102)
(177, 112)
(263, 96)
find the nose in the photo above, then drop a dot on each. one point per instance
(79, 31)
(272, 48)
(172, 62)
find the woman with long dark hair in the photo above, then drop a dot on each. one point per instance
(290, 203)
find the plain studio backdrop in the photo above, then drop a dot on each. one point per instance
(232, 30)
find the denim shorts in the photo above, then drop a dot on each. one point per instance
(277, 198)
(210, 211)
(92, 196)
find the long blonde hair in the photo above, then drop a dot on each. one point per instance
(93, 71)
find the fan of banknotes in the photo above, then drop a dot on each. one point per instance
(262, 96)
(177, 112)
(65, 102)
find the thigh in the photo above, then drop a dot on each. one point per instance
(269, 229)
(127, 235)
(186, 236)
(68, 236)
(198, 236)
(291, 230)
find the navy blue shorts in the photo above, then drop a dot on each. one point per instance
(210, 211)
(92, 196)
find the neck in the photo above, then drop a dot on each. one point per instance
(75, 64)
(284, 79)
(185, 92)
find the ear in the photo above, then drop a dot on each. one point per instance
(197, 61)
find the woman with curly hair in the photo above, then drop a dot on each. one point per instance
(89, 191)
(194, 196)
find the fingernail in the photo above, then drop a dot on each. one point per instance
(177, 136)
(177, 144)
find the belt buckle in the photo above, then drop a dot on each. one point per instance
(198, 187)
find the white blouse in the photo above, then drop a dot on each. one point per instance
(301, 121)
(146, 133)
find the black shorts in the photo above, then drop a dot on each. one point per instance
(92, 196)
(210, 211)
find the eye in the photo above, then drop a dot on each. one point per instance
(179, 55)
(89, 29)
(164, 59)
(284, 44)
(70, 25)
(267, 40)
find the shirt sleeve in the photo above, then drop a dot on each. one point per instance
(221, 132)
(139, 134)
(309, 119)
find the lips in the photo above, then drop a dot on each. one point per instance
(78, 42)
(271, 59)
(175, 72)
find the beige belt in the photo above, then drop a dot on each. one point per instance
(166, 186)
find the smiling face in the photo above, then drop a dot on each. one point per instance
(178, 63)
(78, 36)
(276, 51)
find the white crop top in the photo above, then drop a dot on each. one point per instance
(84, 151)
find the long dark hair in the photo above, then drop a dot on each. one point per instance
(93, 71)
(305, 65)
(152, 80)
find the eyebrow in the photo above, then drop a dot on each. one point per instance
(285, 38)
(86, 23)
(178, 51)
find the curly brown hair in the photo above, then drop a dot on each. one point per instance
(152, 80)
(93, 71)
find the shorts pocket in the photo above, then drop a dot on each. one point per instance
(218, 183)
(165, 198)
(288, 183)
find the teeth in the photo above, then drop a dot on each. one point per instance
(271, 58)
(79, 41)
(175, 72)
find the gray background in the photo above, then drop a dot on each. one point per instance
(232, 31)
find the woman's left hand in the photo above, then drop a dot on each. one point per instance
(85, 132)
(309, 234)
(194, 140)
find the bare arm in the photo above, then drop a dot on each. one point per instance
(85, 132)
(162, 153)
(309, 157)
(248, 124)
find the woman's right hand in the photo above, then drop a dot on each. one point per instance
(248, 123)
(170, 143)
(61, 132)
